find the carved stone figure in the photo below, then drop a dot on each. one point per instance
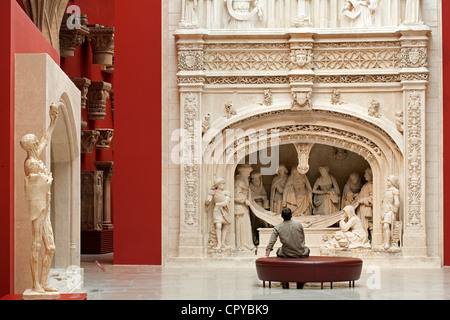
(413, 13)
(102, 44)
(242, 197)
(38, 181)
(303, 150)
(297, 194)
(242, 12)
(326, 193)
(374, 109)
(268, 99)
(277, 189)
(230, 110)
(91, 200)
(206, 122)
(399, 121)
(219, 198)
(391, 204)
(361, 12)
(365, 201)
(351, 189)
(352, 234)
(336, 97)
(189, 15)
(89, 140)
(302, 58)
(259, 193)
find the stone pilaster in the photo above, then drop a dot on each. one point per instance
(414, 76)
(91, 200)
(301, 75)
(190, 81)
(107, 168)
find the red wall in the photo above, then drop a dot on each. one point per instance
(19, 35)
(446, 119)
(137, 192)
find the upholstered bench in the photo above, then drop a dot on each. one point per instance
(312, 269)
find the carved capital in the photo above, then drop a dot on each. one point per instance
(105, 138)
(102, 44)
(97, 95)
(82, 85)
(69, 39)
(89, 139)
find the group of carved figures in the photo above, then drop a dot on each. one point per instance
(295, 192)
(362, 13)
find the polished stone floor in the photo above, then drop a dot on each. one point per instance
(120, 282)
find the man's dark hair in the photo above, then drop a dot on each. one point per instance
(286, 214)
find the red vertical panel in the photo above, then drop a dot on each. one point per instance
(137, 168)
(6, 154)
(446, 119)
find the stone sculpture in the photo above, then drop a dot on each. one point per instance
(399, 123)
(374, 108)
(259, 193)
(38, 181)
(413, 13)
(390, 208)
(365, 201)
(230, 110)
(351, 189)
(242, 11)
(189, 17)
(361, 12)
(206, 122)
(242, 202)
(297, 194)
(336, 97)
(219, 198)
(351, 234)
(277, 189)
(326, 193)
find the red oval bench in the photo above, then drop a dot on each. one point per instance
(312, 269)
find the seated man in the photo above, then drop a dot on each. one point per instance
(292, 238)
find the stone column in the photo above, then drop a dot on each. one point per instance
(190, 80)
(107, 168)
(414, 76)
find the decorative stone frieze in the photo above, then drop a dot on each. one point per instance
(102, 44)
(105, 138)
(70, 39)
(82, 85)
(97, 95)
(89, 140)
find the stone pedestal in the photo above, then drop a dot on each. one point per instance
(33, 295)
(107, 168)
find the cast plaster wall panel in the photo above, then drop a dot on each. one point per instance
(248, 99)
(39, 82)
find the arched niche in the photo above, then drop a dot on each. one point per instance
(65, 151)
(328, 128)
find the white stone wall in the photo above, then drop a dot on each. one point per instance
(431, 12)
